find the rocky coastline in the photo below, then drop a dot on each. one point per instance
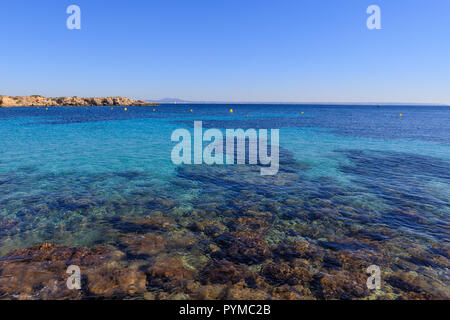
(40, 101)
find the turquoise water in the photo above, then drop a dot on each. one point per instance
(354, 181)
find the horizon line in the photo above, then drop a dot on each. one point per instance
(180, 101)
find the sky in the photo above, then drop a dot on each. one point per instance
(233, 50)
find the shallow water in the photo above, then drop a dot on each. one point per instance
(358, 185)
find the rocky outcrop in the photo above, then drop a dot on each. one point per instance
(40, 101)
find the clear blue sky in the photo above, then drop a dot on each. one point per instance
(233, 50)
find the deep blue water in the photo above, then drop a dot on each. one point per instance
(352, 179)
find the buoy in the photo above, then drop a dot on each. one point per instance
(191, 110)
(46, 108)
(303, 112)
(154, 110)
(231, 110)
(125, 109)
(401, 115)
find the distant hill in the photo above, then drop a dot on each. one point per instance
(169, 100)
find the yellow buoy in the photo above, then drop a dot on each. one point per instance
(401, 115)
(303, 112)
(231, 110)
(46, 108)
(191, 110)
(125, 109)
(154, 110)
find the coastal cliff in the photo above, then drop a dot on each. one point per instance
(40, 101)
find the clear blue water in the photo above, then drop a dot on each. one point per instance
(352, 179)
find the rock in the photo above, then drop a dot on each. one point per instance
(52, 253)
(251, 223)
(170, 268)
(341, 285)
(213, 248)
(412, 287)
(330, 262)
(169, 273)
(142, 246)
(286, 293)
(149, 296)
(7, 223)
(36, 101)
(172, 296)
(207, 292)
(297, 249)
(40, 272)
(243, 247)
(7, 226)
(240, 292)
(209, 227)
(116, 282)
(223, 271)
(282, 273)
(181, 239)
(160, 223)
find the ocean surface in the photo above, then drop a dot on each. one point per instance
(357, 186)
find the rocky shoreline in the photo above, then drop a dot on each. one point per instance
(40, 101)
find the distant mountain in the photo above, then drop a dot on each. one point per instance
(169, 100)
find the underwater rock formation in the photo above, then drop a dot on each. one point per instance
(40, 272)
(233, 238)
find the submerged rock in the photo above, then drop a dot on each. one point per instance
(200, 291)
(116, 282)
(40, 272)
(223, 271)
(7, 223)
(238, 292)
(142, 246)
(243, 247)
(285, 273)
(291, 250)
(250, 223)
(7, 226)
(142, 225)
(209, 227)
(341, 285)
(169, 273)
